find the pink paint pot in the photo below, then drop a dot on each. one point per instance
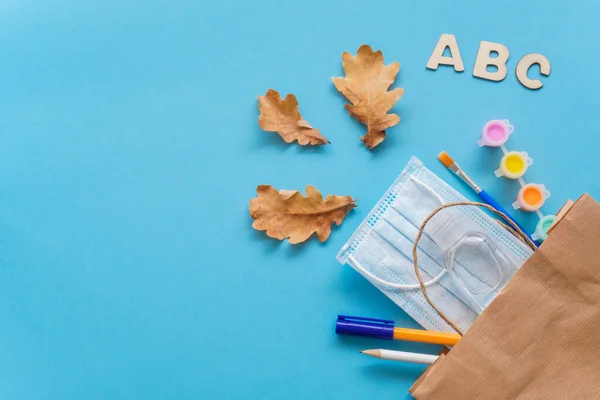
(495, 133)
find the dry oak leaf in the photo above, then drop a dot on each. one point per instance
(283, 117)
(288, 214)
(366, 87)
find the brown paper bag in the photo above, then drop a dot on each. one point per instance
(540, 338)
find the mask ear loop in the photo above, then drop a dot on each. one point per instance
(399, 286)
(515, 230)
(354, 262)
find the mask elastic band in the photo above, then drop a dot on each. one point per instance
(354, 262)
(399, 286)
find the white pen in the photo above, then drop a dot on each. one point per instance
(416, 358)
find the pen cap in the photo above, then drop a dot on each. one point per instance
(371, 327)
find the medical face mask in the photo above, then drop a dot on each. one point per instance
(464, 255)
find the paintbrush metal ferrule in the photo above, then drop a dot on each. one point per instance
(454, 168)
(459, 172)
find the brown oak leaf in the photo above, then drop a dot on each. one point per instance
(288, 214)
(283, 117)
(366, 87)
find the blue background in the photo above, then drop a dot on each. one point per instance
(129, 150)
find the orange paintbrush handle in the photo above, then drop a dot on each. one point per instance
(415, 335)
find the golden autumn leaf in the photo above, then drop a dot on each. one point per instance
(366, 86)
(283, 117)
(288, 214)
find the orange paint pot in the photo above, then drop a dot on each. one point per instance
(531, 197)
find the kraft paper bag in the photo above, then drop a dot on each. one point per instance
(540, 338)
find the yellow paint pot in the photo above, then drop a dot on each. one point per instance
(531, 197)
(514, 164)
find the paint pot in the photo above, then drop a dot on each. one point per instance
(495, 133)
(514, 164)
(541, 230)
(531, 197)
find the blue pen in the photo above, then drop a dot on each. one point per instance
(486, 198)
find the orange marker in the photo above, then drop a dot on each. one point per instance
(385, 329)
(417, 335)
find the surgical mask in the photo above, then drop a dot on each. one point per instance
(465, 256)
